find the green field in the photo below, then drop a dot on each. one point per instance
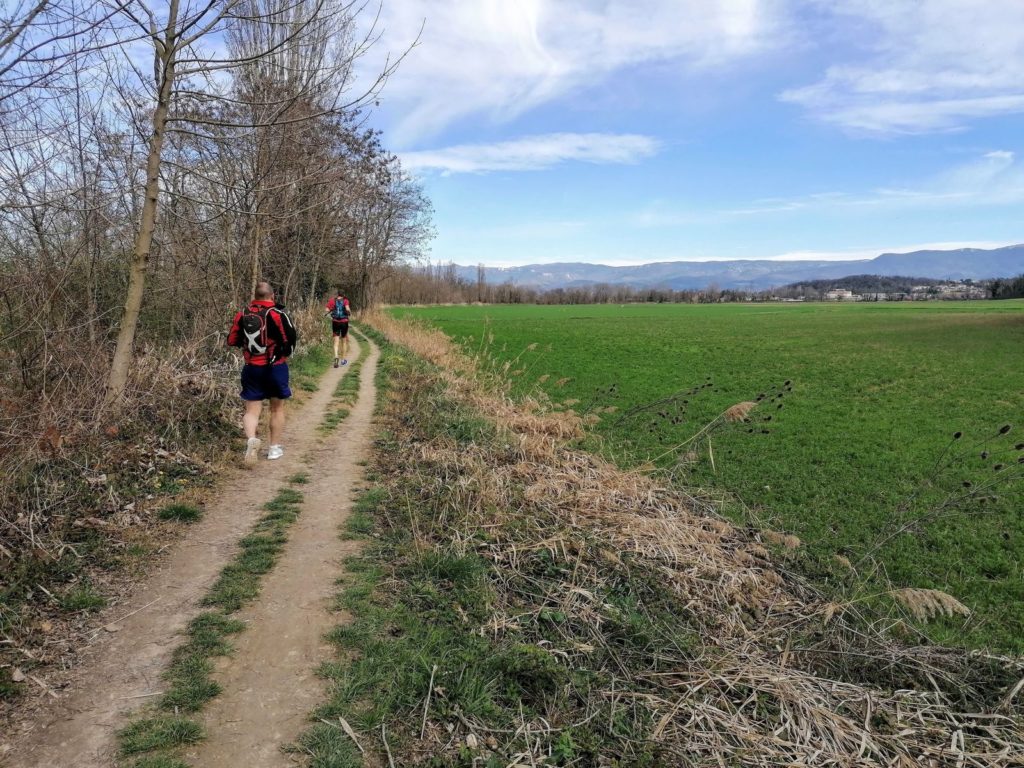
(859, 461)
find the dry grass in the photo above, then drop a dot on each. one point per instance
(739, 411)
(773, 675)
(465, 378)
(784, 540)
(926, 604)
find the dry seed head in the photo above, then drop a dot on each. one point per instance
(563, 381)
(926, 604)
(784, 540)
(739, 411)
(544, 378)
(831, 609)
(758, 551)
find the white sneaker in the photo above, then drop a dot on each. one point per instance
(275, 452)
(252, 449)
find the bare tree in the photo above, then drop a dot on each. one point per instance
(292, 64)
(391, 224)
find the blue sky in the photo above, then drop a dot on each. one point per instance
(631, 131)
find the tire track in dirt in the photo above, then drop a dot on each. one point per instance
(269, 683)
(121, 669)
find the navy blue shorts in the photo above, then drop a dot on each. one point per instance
(260, 382)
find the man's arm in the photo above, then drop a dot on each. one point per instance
(234, 333)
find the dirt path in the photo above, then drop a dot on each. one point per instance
(121, 668)
(269, 683)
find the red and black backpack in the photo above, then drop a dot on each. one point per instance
(253, 325)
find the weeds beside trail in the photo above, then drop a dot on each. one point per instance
(87, 493)
(521, 603)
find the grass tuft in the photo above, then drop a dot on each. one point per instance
(82, 597)
(164, 732)
(159, 761)
(182, 513)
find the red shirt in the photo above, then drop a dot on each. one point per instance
(333, 303)
(235, 334)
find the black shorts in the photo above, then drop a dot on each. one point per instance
(339, 328)
(262, 382)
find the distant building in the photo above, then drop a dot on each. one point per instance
(957, 290)
(841, 294)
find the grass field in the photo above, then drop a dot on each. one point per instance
(860, 460)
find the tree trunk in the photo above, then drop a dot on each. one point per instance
(118, 378)
(254, 266)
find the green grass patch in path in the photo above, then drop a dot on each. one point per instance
(346, 393)
(190, 684)
(854, 453)
(159, 733)
(159, 761)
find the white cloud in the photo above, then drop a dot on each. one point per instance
(991, 179)
(931, 66)
(500, 58)
(994, 178)
(855, 254)
(533, 153)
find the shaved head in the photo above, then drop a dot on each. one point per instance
(263, 291)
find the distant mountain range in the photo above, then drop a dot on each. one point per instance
(960, 264)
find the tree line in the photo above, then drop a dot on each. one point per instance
(442, 284)
(1007, 287)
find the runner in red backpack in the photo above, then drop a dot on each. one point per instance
(339, 310)
(267, 337)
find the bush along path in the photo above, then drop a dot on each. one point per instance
(157, 650)
(521, 603)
